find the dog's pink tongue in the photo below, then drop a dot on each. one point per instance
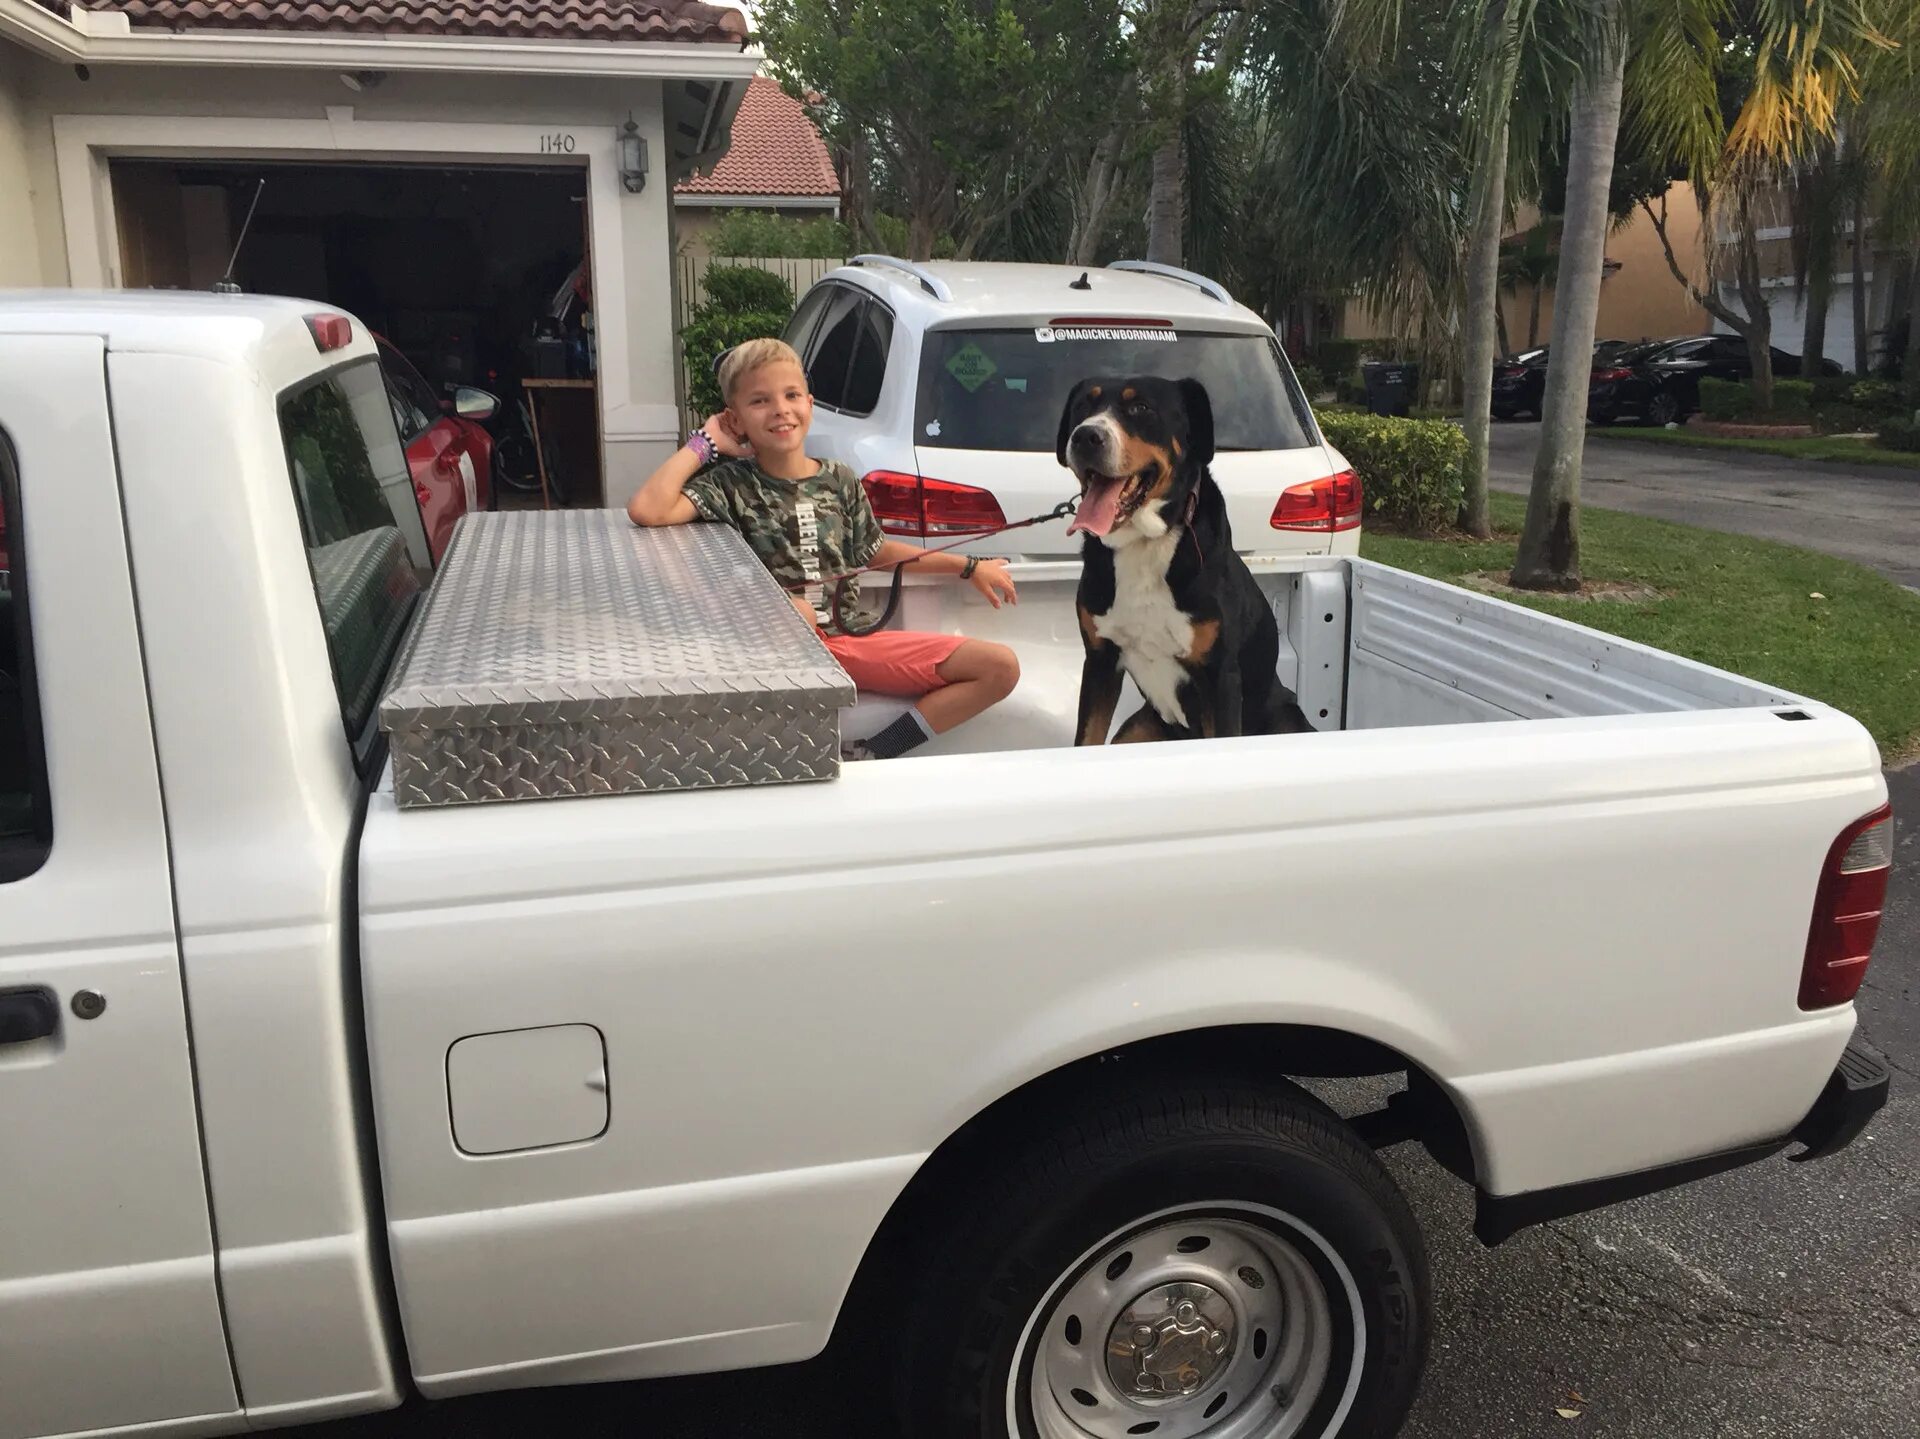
(1099, 507)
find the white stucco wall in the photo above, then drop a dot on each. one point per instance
(19, 240)
(236, 113)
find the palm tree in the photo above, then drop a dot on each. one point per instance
(1802, 58)
(1549, 552)
(1533, 260)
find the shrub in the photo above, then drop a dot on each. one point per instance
(1842, 419)
(1725, 399)
(761, 232)
(1413, 472)
(1311, 380)
(1792, 400)
(1876, 397)
(1901, 433)
(743, 303)
(1832, 389)
(739, 288)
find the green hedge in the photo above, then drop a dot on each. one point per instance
(743, 302)
(761, 232)
(1900, 434)
(1413, 472)
(1726, 400)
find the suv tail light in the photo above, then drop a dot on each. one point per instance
(916, 506)
(1330, 503)
(1512, 372)
(330, 332)
(1846, 911)
(1612, 376)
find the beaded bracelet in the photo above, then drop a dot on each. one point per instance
(702, 443)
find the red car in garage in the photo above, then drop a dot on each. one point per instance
(449, 452)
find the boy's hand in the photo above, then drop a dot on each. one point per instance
(990, 577)
(725, 440)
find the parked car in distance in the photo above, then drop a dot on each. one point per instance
(449, 450)
(1520, 380)
(941, 386)
(1660, 383)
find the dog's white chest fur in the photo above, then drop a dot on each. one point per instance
(1150, 630)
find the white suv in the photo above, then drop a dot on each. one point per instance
(941, 384)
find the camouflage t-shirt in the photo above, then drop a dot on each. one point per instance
(808, 532)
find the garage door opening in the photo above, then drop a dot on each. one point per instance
(478, 277)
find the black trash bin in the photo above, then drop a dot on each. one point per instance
(1391, 385)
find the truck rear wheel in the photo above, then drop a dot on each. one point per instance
(1221, 1262)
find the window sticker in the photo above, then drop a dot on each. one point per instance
(1019, 386)
(971, 366)
(1048, 334)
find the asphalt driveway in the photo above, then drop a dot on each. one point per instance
(1778, 1302)
(1863, 513)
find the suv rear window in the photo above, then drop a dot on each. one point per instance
(361, 522)
(26, 820)
(1004, 389)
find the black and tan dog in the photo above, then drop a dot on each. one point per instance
(1162, 595)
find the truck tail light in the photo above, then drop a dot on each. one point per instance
(330, 332)
(423, 495)
(916, 506)
(1330, 503)
(1846, 911)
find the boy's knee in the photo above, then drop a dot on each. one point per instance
(1001, 670)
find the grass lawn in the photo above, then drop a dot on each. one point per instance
(1815, 447)
(1738, 604)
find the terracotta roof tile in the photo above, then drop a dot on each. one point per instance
(612, 20)
(775, 151)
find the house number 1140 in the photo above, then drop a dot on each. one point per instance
(556, 144)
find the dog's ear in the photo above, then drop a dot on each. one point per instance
(1066, 421)
(1199, 421)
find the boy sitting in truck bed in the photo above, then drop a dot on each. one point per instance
(810, 523)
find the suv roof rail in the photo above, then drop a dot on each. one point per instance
(1171, 272)
(930, 282)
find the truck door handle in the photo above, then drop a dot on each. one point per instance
(27, 1014)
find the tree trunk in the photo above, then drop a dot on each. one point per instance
(1500, 323)
(1549, 554)
(1533, 317)
(1910, 363)
(1167, 211)
(1862, 358)
(1483, 309)
(1103, 171)
(1758, 329)
(921, 230)
(1813, 345)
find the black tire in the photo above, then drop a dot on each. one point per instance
(1505, 414)
(992, 1266)
(1663, 409)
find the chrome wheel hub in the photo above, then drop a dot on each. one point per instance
(1170, 1341)
(1208, 1322)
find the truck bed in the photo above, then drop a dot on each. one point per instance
(1364, 646)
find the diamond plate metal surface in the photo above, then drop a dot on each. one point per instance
(570, 653)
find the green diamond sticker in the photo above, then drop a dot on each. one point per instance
(971, 366)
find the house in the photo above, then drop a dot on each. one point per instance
(453, 174)
(1639, 297)
(1886, 293)
(776, 162)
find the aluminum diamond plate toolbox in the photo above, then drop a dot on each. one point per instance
(568, 653)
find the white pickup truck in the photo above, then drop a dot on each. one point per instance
(982, 1064)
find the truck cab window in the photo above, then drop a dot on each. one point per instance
(26, 818)
(365, 540)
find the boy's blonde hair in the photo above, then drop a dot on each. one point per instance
(750, 355)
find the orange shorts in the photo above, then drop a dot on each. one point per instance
(902, 663)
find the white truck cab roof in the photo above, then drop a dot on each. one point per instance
(260, 332)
